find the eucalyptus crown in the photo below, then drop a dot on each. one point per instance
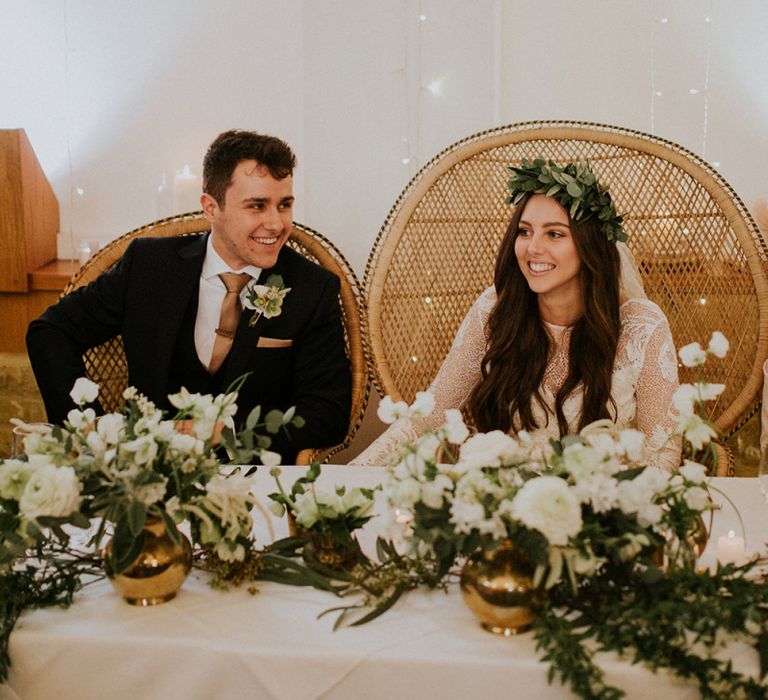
(574, 186)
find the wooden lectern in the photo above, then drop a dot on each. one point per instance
(29, 222)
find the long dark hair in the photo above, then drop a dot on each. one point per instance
(519, 346)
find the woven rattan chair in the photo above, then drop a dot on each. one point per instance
(700, 253)
(106, 365)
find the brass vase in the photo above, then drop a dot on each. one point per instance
(497, 586)
(687, 554)
(323, 548)
(158, 571)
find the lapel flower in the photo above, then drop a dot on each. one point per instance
(266, 299)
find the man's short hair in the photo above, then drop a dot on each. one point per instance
(236, 145)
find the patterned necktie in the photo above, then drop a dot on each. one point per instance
(231, 309)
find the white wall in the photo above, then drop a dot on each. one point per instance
(112, 94)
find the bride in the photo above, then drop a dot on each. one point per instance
(566, 335)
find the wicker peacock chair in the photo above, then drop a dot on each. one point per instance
(700, 253)
(106, 365)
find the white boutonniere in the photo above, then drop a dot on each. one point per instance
(266, 299)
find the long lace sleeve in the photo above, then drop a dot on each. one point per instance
(656, 384)
(451, 387)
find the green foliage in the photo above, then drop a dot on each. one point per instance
(574, 186)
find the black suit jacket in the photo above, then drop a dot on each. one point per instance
(144, 298)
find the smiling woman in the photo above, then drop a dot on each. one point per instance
(558, 343)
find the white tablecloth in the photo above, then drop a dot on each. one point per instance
(211, 644)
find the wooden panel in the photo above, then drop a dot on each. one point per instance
(53, 276)
(17, 311)
(29, 212)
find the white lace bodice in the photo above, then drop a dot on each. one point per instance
(644, 379)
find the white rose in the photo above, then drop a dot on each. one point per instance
(50, 491)
(389, 411)
(423, 405)
(455, 429)
(492, 449)
(718, 344)
(693, 471)
(81, 419)
(692, 355)
(633, 444)
(84, 391)
(270, 459)
(684, 399)
(14, 475)
(110, 428)
(547, 504)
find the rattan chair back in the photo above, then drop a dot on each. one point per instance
(106, 364)
(700, 253)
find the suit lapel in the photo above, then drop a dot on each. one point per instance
(180, 286)
(247, 335)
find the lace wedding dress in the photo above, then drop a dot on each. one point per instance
(644, 379)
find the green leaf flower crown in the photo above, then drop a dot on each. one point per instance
(574, 186)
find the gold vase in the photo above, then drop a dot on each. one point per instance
(158, 571)
(497, 586)
(323, 548)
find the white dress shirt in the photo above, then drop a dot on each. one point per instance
(210, 298)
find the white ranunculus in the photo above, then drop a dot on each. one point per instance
(692, 355)
(693, 471)
(50, 491)
(548, 505)
(636, 496)
(581, 462)
(493, 449)
(389, 411)
(142, 450)
(455, 429)
(696, 498)
(270, 459)
(14, 475)
(422, 406)
(151, 493)
(718, 344)
(81, 419)
(84, 391)
(684, 399)
(633, 443)
(708, 391)
(696, 430)
(111, 428)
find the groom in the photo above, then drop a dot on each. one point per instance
(177, 304)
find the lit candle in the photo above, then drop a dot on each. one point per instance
(730, 549)
(186, 191)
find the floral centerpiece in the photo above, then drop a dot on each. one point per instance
(117, 474)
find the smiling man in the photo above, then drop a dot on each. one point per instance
(178, 304)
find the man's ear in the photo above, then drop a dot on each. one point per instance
(210, 206)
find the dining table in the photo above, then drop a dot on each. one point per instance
(271, 641)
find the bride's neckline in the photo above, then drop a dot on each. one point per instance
(565, 327)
